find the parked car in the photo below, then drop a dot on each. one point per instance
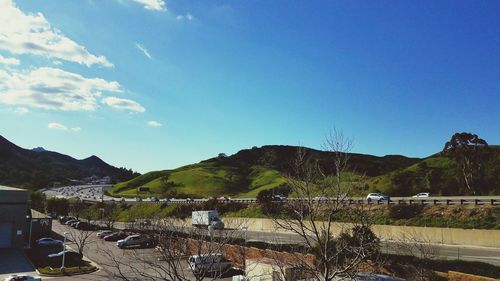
(22, 278)
(104, 233)
(71, 258)
(135, 240)
(69, 222)
(377, 197)
(422, 195)
(207, 263)
(48, 242)
(73, 224)
(85, 226)
(116, 236)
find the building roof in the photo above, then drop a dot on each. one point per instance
(2, 187)
(37, 215)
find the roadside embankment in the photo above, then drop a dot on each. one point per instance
(433, 235)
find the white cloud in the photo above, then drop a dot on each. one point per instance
(123, 104)
(22, 33)
(9, 61)
(188, 17)
(143, 50)
(57, 126)
(54, 89)
(21, 110)
(157, 5)
(154, 124)
(61, 127)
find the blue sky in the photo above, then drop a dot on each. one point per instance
(149, 84)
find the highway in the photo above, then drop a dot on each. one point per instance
(439, 251)
(464, 252)
(95, 193)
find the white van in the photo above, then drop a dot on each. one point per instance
(208, 263)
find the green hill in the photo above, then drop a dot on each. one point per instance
(437, 175)
(249, 171)
(246, 173)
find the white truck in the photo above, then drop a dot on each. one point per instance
(206, 219)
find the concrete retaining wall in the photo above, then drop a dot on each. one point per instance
(435, 235)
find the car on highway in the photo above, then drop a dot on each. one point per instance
(209, 263)
(377, 197)
(153, 199)
(422, 195)
(22, 278)
(135, 240)
(71, 258)
(164, 200)
(48, 242)
(116, 236)
(104, 233)
(138, 199)
(279, 197)
(321, 198)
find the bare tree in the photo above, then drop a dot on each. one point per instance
(322, 195)
(80, 237)
(417, 245)
(176, 241)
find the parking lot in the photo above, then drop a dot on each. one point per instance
(13, 261)
(101, 251)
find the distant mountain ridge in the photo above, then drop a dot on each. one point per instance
(38, 149)
(38, 167)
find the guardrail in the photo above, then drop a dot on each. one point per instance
(429, 201)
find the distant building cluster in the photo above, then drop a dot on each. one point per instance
(93, 180)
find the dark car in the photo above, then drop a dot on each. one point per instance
(116, 236)
(48, 242)
(86, 226)
(64, 219)
(72, 258)
(73, 224)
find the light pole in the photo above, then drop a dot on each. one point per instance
(64, 251)
(245, 229)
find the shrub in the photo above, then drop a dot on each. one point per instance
(398, 212)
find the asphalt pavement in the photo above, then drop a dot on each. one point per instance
(101, 252)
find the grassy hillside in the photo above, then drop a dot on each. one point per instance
(249, 171)
(246, 173)
(437, 175)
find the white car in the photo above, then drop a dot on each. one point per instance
(48, 242)
(377, 197)
(22, 278)
(104, 233)
(422, 195)
(206, 263)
